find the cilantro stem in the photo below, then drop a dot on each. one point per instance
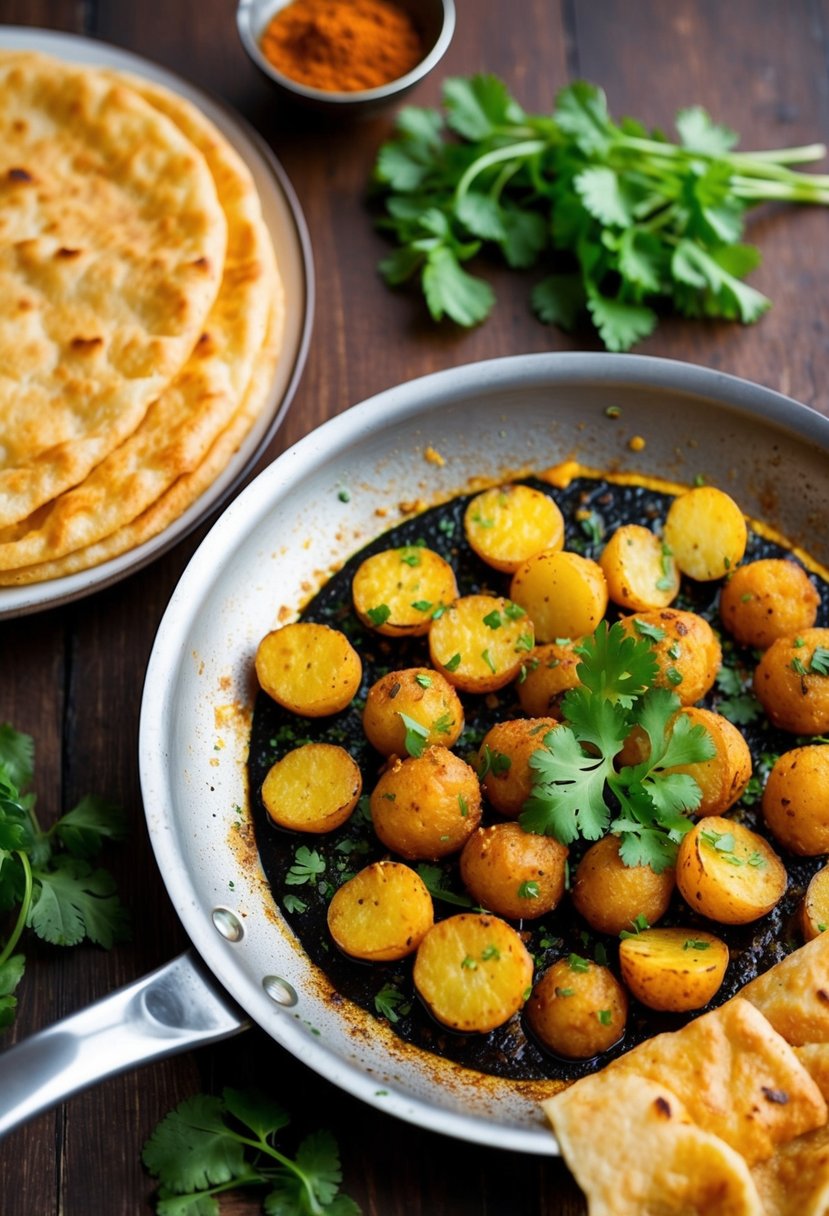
(25, 904)
(314, 1207)
(519, 151)
(781, 156)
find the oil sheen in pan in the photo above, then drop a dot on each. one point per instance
(592, 509)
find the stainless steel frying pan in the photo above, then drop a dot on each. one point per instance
(267, 551)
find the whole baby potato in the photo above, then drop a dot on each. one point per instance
(766, 600)
(612, 896)
(791, 682)
(549, 672)
(577, 1009)
(514, 873)
(686, 649)
(504, 761)
(426, 806)
(796, 800)
(419, 693)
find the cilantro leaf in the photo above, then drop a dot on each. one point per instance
(11, 973)
(416, 737)
(620, 324)
(453, 293)
(568, 790)
(192, 1148)
(84, 829)
(558, 300)
(476, 106)
(17, 756)
(72, 902)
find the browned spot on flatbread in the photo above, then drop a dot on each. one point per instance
(17, 174)
(663, 1107)
(85, 346)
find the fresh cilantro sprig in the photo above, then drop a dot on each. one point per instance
(210, 1145)
(47, 881)
(578, 790)
(642, 223)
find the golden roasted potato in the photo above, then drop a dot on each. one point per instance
(396, 592)
(549, 673)
(796, 800)
(673, 969)
(791, 682)
(685, 646)
(508, 524)
(724, 777)
(564, 594)
(427, 806)
(766, 600)
(480, 642)
(310, 669)
(514, 873)
(578, 1008)
(423, 696)
(504, 761)
(728, 873)
(706, 532)
(473, 972)
(640, 569)
(313, 788)
(814, 907)
(612, 896)
(382, 913)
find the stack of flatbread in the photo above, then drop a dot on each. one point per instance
(726, 1117)
(141, 312)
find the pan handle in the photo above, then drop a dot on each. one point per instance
(177, 1007)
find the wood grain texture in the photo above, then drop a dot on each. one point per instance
(72, 677)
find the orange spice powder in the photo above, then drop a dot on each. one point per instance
(342, 46)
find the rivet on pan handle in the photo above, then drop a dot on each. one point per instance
(170, 1010)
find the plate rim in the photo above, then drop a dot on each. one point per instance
(39, 597)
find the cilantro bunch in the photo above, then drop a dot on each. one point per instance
(629, 223)
(210, 1145)
(578, 788)
(47, 881)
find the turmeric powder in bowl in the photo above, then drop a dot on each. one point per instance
(342, 46)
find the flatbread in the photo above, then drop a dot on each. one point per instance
(187, 489)
(112, 242)
(640, 1153)
(180, 426)
(795, 1181)
(794, 994)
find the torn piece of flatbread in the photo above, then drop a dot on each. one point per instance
(634, 1150)
(737, 1077)
(794, 994)
(795, 1181)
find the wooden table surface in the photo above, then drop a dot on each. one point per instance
(72, 677)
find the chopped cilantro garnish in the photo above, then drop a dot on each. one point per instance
(529, 890)
(410, 558)
(469, 963)
(307, 865)
(575, 772)
(819, 665)
(379, 615)
(604, 1016)
(565, 992)
(496, 763)
(422, 606)
(442, 724)
(493, 620)
(416, 735)
(490, 952)
(391, 1004)
(433, 879)
(487, 658)
(513, 612)
(694, 943)
(525, 642)
(646, 630)
(454, 663)
(576, 963)
(423, 680)
(462, 803)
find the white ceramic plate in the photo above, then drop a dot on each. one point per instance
(286, 225)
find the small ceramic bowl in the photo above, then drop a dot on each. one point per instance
(434, 19)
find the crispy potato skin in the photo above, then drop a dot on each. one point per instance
(514, 873)
(577, 1009)
(725, 776)
(640, 570)
(794, 698)
(706, 532)
(382, 913)
(507, 524)
(766, 600)
(549, 673)
(814, 908)
(688, 652)
(564, 594)
(728, 873)
(796, 800)
(473, 972)
(427, 806)
(313, 788)
(423, 695)
(409, 583)
(509, 785)
(313, 670)
(674, 970)
(610, 895)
